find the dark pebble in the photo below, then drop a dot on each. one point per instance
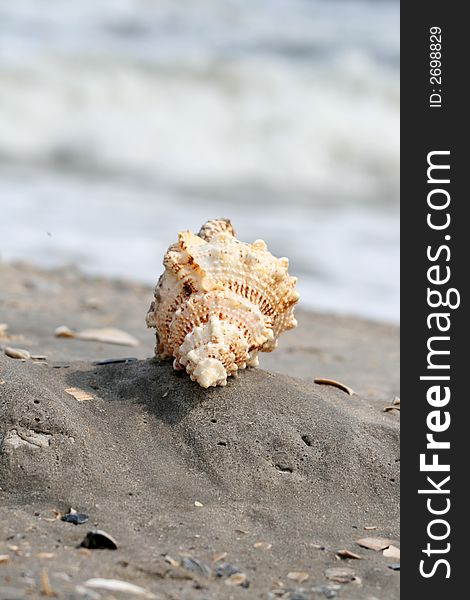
(113, 361)
(225, 570)
(99, 540)
(75, 518)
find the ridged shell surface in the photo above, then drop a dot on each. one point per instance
(219, 302)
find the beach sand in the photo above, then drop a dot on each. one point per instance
(274, 470)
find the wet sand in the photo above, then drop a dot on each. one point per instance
(274, 470)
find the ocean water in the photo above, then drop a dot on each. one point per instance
(124, 121)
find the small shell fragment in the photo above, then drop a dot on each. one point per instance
(299, 576)
(392, 407)
(340, 574)
(78, 394)
(392, 552)
(171, 561)
(107, 335)
(237, 579)
(198, 504)
(262, 545)
(4, 559)
(64, 331)
(17, 353)
(334, 383)
(218, 557)
(373, 543)
(193, 564)
(44, 584)
(348, 554)
(97, 539)
(47, 555)
(117, 585)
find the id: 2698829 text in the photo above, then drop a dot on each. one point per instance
(435, 67)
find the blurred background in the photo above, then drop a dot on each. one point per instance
(124, 121)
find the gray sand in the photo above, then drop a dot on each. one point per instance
(271, 458)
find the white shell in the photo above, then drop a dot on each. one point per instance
(219, 302)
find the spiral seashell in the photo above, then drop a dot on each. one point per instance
(219, 302)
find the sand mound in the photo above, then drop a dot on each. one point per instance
(270, 459)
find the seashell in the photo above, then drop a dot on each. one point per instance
(114, 585)
(340, 574)
(96, 539)
(193, 564)
(17, 353)
(299, 576)
(238, 579)
(219, 302)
